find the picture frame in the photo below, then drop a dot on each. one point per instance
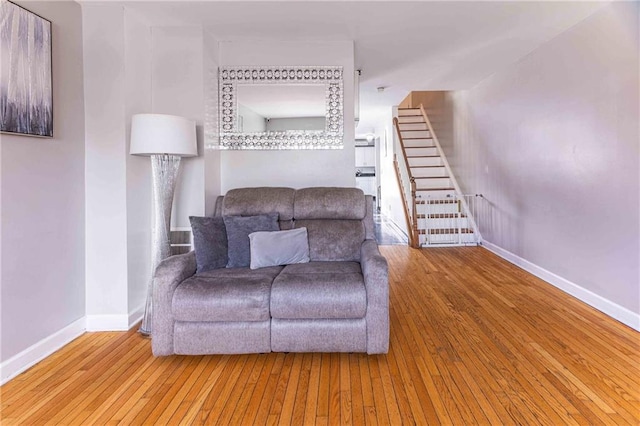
(26, 83)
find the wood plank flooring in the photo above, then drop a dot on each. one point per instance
(474, 340)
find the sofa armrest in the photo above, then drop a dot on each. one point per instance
(376, 280)
(168, 275)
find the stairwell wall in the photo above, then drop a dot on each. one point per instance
(552, 143)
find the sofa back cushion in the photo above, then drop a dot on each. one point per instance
(262, 200)
(333, 239)
(329, 203)
(337, 219)
(334, 221)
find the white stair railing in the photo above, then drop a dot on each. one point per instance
(448, 220)
(436, 142)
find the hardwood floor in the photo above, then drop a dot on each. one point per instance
(474, 340)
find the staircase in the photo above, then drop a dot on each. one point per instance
(437, 212)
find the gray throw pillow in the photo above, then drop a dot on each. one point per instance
(279, 248)
(238, 230)
(209, 242)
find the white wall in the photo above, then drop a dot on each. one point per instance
(137, 65)
(251, 120)
(297, 123)
(292, 168)
(106, 162)
(42, 204)
(118, 76)
(177, 88)
(552, 143)
(130, 68)
(212, 184)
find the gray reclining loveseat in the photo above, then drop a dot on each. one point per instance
(337, 302)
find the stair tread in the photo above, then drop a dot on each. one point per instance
(438, 201)
(411, 122)
(408, 139)
(421, 167)
(444, 231)
(423, 156)
(442, 216)
(431, 177)
(434, 202)
(435, 189)
(441, 201)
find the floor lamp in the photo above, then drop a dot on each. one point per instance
(165, 138)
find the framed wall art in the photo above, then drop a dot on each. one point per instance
(26, 98)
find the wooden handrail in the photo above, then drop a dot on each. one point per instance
(405, 202)
(404, 152)
(410, 215)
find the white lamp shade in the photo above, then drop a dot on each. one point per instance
(163, 134)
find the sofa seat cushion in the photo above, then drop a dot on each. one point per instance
(221, 295)
(246, 272)
(323, 268)
(319, 290)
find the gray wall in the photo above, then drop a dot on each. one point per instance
(552, 143)
(42, 181)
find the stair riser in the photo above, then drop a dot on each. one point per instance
(447, 239)
(410, 127)
(418, 143)
(428, 171)
(410, 119)
(448, 208)
(451, 223)
(433, 161)
(421, 151)
(424, 195)
(410, 134)
(444, 182)
(405, 112)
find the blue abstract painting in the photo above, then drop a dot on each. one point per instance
(26, 101)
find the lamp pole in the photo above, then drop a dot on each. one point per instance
(165, 138)
(164, 170)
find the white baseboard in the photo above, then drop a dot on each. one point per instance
(115, 322)
(108, 322)
(136, 316)
(37, 352)
(615, 311)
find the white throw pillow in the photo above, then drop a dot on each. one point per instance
(274, 248)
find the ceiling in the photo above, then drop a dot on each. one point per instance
(401, 46)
